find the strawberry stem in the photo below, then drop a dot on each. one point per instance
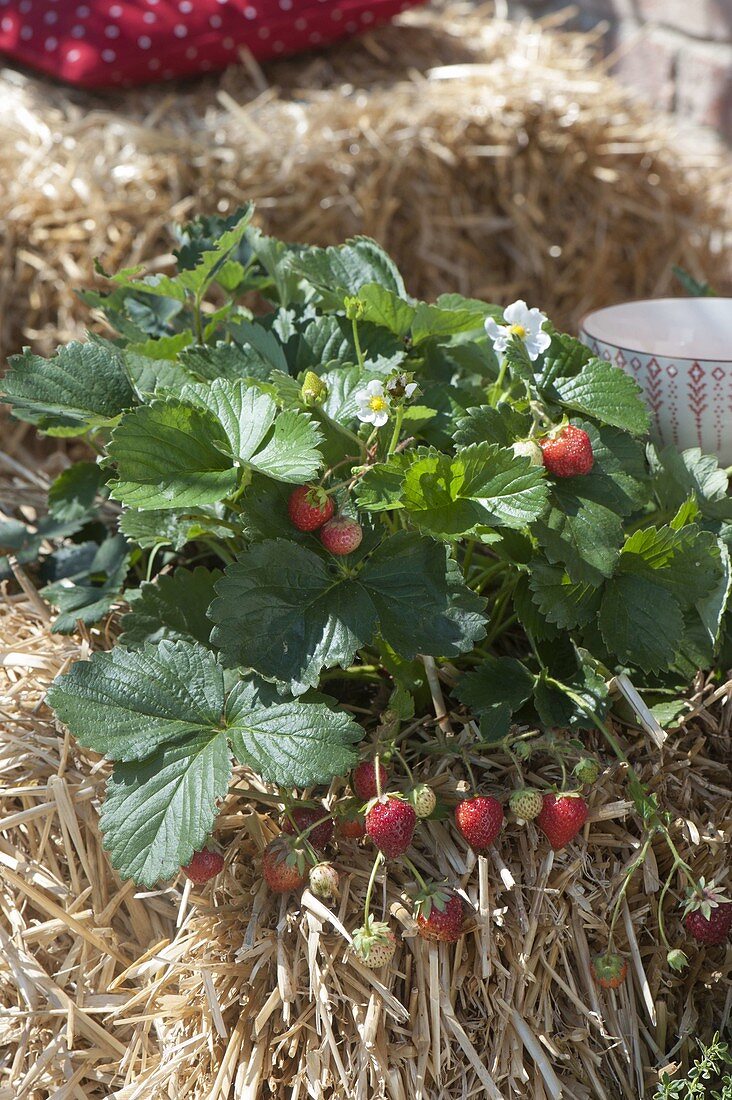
(418, 878)
(370, 888)
(397, 430)
(624, 888)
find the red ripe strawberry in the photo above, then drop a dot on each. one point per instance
(390, 824)
(609, 970)
(341, 535)
(304, 817)
(309, 507)
(561, 818)
(440, 915)
(283, 866)
(479, 820)
(363, 780)
(352, 826)
(205, 865)
(374, 943)
(708, 914)
(568, 453)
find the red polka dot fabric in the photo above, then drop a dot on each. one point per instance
(102, 43)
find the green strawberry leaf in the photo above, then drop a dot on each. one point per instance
(191, 280)
(641, 622)
(82, 386)
(679, 475)
(89, 594)
(495, 682)
(161, 810)
(687, 562)
(531, 618)
(230, 361)
(569, 702)
(485, 424)
(260, 346)
(482, 486)
(249, 417)
(162, 711)
(290, 742)
(161, 528)
(565, 358)
(172, 607)
(605, 393)
(151, 375)
(559, 600)
(72, 495)
(341, 271)
(381, 489)
(284, 611)
(439, 321)
(127, 703)
(387, 309)
(580, 534)
(421, 599)
(171, 455)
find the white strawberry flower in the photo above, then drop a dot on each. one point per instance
(373, 404)
(527, 324)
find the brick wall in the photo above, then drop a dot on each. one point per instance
(676, 53)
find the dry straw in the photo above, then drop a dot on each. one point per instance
(492, 159)
(107, 991)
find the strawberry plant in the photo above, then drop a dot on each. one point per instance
(309, 485)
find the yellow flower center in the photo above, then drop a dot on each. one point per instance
(377, 404)
(518, 330)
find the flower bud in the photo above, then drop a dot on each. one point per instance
(676, 959)
(354, 308)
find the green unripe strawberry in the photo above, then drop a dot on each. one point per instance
(314, 390)
(587, 770)
(526, 803)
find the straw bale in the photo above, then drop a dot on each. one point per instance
(494, 159)
(108, 991)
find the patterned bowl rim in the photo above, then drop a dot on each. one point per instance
(651, 354)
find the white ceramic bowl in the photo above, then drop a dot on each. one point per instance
(679, 350)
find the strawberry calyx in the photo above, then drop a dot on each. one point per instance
(432, 896)
(373, 942)
(290, 851)
(385, 796)
(704, 898)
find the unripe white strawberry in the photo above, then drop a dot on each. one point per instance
(324, 880)
(423, 799)
(526, 804)
(374, 944)
(526, 448)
